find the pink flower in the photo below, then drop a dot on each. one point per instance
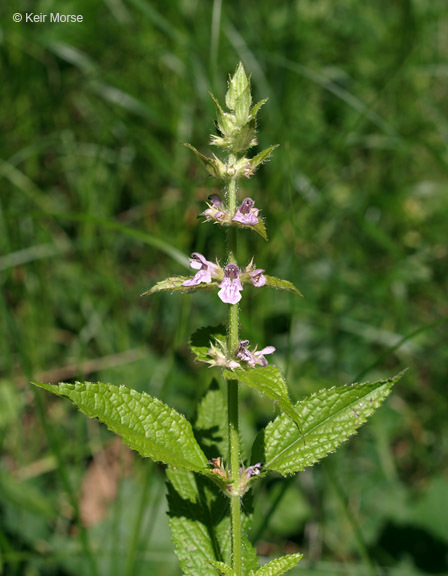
(247, 213)
(206, 270)
(255, 357)
(230, 285)
(257, 278)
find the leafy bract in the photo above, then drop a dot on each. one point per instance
(144, 423)
(214, 166)
(279, 566)
(226, 121)
(269, 381)
(273, 282)
(260, 227)
(201, 340)
(256, 108)
(238, 92)
(175, 284)
(261, 157)
(327, 418)
(201, 527)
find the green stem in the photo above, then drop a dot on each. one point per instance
(231, 207)
(234, 447)
(232, 397)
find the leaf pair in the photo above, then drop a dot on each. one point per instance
(156, 431)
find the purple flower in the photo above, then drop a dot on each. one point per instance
(206, 270)
(254, 470)
(255, 357)
(231, 285)
(214, 210)
(215, 200)
(257, 278)
(247, 213)
(243, 353)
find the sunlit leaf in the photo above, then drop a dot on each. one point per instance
(327, 418)
(144, 423)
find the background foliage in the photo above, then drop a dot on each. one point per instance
(98, 201)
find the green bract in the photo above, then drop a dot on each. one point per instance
(270, 382)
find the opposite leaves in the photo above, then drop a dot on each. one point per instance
(327, 418)
(144, 423)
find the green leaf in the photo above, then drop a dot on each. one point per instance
(238, 84)
(243, 138)
(279, 565)
(327, 418)
(223, 569)
(210, 426)
(214, 166)
(256, 108)
(144, 423)
(260, 228)
(273, 282)
(201, 527)
(191, 523)
(174, 284)
(263, 156)
(201, 339)
(242, 107)
(226, 123)
(269, 381)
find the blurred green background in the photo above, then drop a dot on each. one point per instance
(99, 200)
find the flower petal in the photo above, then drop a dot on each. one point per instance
(230, 292)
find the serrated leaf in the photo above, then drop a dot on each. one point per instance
(201, 339)
(261, 157)
(200, 525)
(279, 566)
(274, 282)
(260, 228)
(174, 284)
(144, 423)
(223, 569)
(225, 121)
(328, 418)
(269, 381)
(214, 166)
(210, 426)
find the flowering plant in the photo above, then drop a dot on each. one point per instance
(207, 480)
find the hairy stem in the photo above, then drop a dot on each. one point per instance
(232, 397)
